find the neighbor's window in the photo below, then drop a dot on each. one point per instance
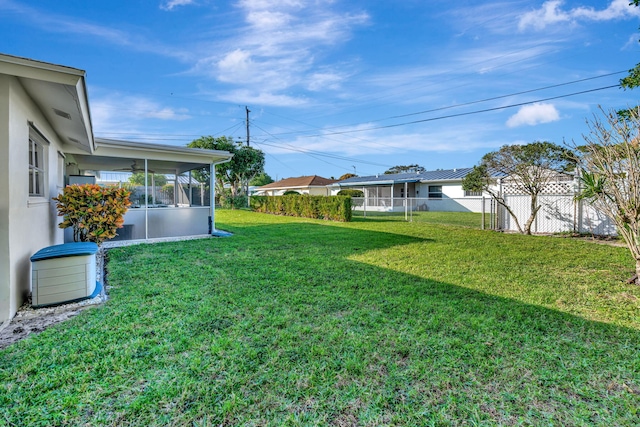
(435, 191)
(36, 165)
(468, 193)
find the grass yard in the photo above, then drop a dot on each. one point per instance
(462, 219)
(295, 322)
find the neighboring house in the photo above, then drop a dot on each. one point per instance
(313, 185)
(46, 138)
(439, 190)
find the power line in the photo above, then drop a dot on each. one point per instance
(457, 105)
(318, 153)
(468, 113)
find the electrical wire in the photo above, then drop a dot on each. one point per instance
(468, 113)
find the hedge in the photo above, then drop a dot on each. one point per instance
(333, 208)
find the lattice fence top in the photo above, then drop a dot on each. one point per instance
(551, 188)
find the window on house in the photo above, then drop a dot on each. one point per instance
(468, 193)
(36, 164)
(60, 170)
(435, 191)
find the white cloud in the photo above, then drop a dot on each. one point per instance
(534, 114)
(171, 4)
(281, 47)
(116, 112)
(324, 80)
(552, 13)
(265, 98)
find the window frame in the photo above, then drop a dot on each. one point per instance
(37, 161)
(434, 194)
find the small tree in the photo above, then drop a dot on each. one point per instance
(610, 160)
(94, 212)
(404, 169)
(351, 192)
(247, 162)
(530, 168)
(347, 176)
(261, 179)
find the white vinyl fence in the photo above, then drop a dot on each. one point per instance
(559, 213)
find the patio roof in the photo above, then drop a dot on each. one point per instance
(127, 156)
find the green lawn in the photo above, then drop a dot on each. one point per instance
(295, 322)
(463, 219)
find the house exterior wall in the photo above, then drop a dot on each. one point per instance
(449, 189)
(318, 191)
(27, 224)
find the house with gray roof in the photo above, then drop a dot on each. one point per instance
(439, 190)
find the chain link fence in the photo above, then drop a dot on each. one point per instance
(468, 212)
(559, 213)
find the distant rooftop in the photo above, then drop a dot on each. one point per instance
(301, 181)
(437, 175)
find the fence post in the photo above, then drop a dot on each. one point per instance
(364, 206)
(405, 201)
(483, 212)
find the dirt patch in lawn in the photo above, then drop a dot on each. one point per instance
(28, 320)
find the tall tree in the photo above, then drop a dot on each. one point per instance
(530, 168)
(247, 162)
(261, 179)
(404, 169)
(610, 161)
(633, 79)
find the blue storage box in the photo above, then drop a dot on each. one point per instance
(64, 273)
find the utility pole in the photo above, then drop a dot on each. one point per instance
(246, 183)
(248, 111)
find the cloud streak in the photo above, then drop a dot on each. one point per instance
(280, 47)
(169, 5)
(552, 13)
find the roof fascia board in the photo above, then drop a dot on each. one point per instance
(155, 152)
(359, 184)
(28, 68)
(83, 101)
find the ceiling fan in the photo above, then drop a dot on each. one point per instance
(134, 168)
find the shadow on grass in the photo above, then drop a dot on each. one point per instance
(276, 326)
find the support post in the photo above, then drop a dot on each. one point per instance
(212, 201)
(406, 207)
(483, 212)
(146, 200)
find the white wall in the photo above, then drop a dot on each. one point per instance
(27, 224)
(450, 190)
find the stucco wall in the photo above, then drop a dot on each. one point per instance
(449, 189)
(27, 224)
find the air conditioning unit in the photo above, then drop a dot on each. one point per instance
(64, 273)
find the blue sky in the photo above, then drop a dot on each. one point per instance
(336, 86)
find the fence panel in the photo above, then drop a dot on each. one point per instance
(558, 213)
(468, 212)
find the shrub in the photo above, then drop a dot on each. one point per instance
(334, 208)
(94, 212)
(229, 201)
(351, 192)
